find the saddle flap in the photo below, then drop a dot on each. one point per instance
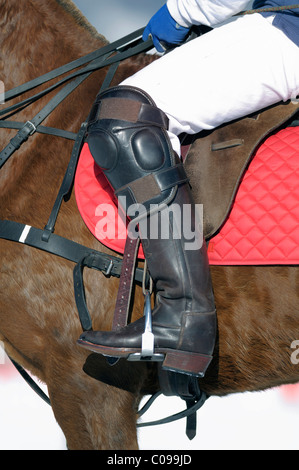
(217, 160)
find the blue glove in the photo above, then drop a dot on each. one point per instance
(164, 29)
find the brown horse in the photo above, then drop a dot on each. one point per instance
(257, 306)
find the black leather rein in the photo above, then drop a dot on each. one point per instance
(120, 50)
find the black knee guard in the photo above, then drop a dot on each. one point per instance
(127, 137)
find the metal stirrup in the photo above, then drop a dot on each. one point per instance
(148, 339)
(147, 344)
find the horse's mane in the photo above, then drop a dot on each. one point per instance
(80, 19)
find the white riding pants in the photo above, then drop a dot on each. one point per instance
(230, 72)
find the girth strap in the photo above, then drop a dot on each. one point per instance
(83, 257)
(60, 246)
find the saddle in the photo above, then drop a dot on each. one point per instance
(216, 161)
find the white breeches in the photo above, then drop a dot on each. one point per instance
(232, 71)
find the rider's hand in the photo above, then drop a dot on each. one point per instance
(164, 29)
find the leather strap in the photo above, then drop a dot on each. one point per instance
(40, 129)
(79, 254)
(99, 53)
(67, 183)
(152, 185)
(122, 305)
(98, 60)
(30, 127)
(129, 110)
(67, 249)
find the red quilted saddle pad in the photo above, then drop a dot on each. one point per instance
(262, 228)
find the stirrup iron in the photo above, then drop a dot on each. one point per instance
(147, 341)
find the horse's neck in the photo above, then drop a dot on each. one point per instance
(37, 36)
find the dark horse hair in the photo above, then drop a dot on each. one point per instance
(39, 326)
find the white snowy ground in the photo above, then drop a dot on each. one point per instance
(252, 421)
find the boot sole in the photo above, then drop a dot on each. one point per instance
(185, 362)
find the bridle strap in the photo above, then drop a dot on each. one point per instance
(93, 66)
(108, 49)
(30, 127)
(40, 129)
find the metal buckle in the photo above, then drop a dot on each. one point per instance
(32, 128)
(109, 269)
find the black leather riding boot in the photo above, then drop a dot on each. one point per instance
(128, 139)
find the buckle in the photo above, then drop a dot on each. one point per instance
(29, 127)
(107, 272)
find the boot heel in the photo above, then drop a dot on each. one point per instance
(187, 362)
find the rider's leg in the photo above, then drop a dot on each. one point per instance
(128, 140)
(230, 72)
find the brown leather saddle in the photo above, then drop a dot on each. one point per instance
(217, 160)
